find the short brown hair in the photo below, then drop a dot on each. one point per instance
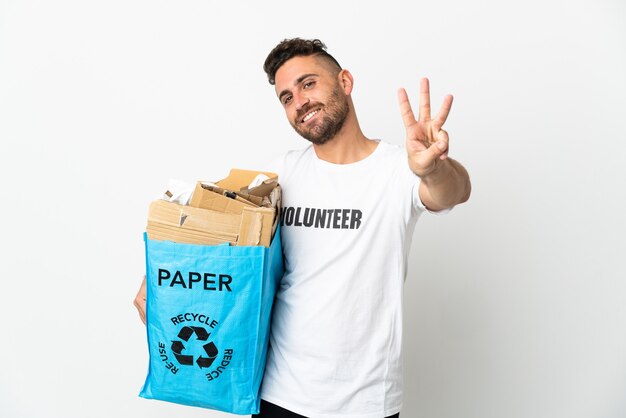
(295, 47)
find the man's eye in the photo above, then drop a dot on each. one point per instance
(286, 99)
(308, 84)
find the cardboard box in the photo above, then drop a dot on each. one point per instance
(229, 213)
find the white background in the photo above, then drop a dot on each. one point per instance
(515, 302)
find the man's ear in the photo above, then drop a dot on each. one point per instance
(346, 81)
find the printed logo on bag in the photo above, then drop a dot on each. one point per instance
(201, 335)
(192, 348)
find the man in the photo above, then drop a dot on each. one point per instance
(350, 205)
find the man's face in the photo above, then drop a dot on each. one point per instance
(312, 97)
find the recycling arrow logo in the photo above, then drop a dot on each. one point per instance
(201, 335)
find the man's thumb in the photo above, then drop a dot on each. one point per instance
(438, 148)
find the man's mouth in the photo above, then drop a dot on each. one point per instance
(309, 115)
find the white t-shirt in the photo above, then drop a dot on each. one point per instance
(336, 336)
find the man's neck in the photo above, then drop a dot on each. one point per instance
(348, 146)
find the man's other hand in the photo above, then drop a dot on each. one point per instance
(140, 300)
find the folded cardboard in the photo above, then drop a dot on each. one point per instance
(212, 197)
(231, 194)
(220, 213)
(169, 221)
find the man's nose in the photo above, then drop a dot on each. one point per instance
(301, 101)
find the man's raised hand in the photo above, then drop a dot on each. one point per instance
(426, 141)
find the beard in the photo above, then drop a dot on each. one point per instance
(333, 115)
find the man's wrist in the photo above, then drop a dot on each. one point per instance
(439, 169)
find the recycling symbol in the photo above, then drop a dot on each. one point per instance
(201, 335)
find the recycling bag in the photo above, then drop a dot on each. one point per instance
(208, 312)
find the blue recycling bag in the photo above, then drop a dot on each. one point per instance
(208, 314)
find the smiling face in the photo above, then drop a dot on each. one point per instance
(314, 101)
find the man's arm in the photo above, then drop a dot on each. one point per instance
(445, 182)
(446, 186)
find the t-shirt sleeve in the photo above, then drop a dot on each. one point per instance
(418, 205)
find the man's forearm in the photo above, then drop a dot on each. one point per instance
(446, 186)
